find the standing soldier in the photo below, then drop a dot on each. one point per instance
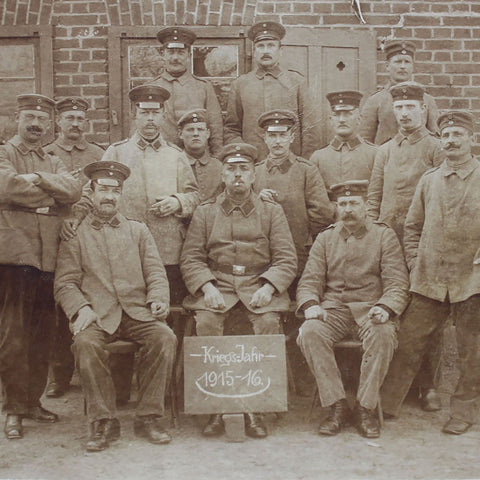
(194, 133)
(348, 156)
(34, 186)
(186, 91)
(269, 87)
(76, 153)
(442, 233)
(378, 120)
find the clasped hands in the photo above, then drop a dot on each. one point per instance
(214, 299)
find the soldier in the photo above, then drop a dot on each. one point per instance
(398, 166)
(269, 87)
(238, 252)
(186, 91)
(194, 133)
(348, 156)
(75, 152)
(441, 247)
(378, 123)
(111, 284)
(355, 276)
(34, 186)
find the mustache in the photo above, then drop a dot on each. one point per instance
(34, 129)
(107, 202)
(449, 146)
(266, 55)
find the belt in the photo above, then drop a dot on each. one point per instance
(50, 211)
(239, 269)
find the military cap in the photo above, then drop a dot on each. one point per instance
(148, 96)
(72, 103)
(107, 173)
(193, 116)
(407, 91)
(344, 100)
(266, 31)
(176, 37)
(399, 47)
(238, 153)
(456, 118)
(277, 120)
(350, 188)
(34, 101)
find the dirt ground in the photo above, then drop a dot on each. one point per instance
(411, 447)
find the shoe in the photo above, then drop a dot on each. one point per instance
(149, 427)
(214, 427)
(103, 432)
(41, 415)
(254, 426)
(366, 422)
(430, 400)
(112, 429)
(455, 426)
(336, 420)
(13, 426)
(55, 390)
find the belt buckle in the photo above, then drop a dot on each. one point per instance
(238, 270)
(42, 210)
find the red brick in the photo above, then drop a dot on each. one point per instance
(423, 56)
(461, 79)
(442, 103)
(62, 80)
(461, 21)
(215, 5)
(99, 54)
(238, 6)
(265, 8)
(93, 67)
(322, 7)
(302, 7)
(460, 7)
(100, 126)
(100, 78)
(442, 79)
(423, 78)
(80, 55)
(283, 8)
(96, 114)
(462, 33)
(94, 42)
(401, 7)
(213, 18)
(80, 79)
(159, 14)
(302, 19)
(381, 7)
(443, 44)
(342, 7)
(445, 91)
(96, 90)
(180, 6)
(62, 7)
(419, 7)
(472, 92)
(442, 33)
(442, 56)
(236, 19)
(421, 20)
(202, 14)
(423, 32)
(476, 57)
(45, 12)
(170, 6)
(66, 43)
(460, 103)
(89, 19)
(96, 7)
(249, 15)
(67, 91)
(475, 7)
(227, 10)
(125, 19)
(136, 14)
(80, 8)
(61, 55)
(148, 19)
(189, 18)
(21, 18)
(461, 56)
(439, 7)
(66, 67)
(114, 15)
(34, 6)
(100, 102)
(11, 4)
(472, 44)
(461, 68)
(383, 20)
(170, 19)
(124, 6)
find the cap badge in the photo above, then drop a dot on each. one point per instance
(347, 193)
(450, 122)
(404, 52)
(74, 107)
(237, 148)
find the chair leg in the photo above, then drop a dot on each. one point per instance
(380, 411)
(315, 400)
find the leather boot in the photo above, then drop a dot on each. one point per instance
(336, 420)
(13, 426)
(366, 422)
(41, 415)
(254, 426)
(429, 400)
(214, 427)
(455, 426)
(149, 427)
(98, 439)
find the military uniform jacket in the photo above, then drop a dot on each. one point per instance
(442, 233)
(379, 124)
(259, 91)
(112, 267)
(157, 170)
(253, 235)
(303, 197)
(29, 236)
(398, 166)
(188, 92)
(208, 173)
(359, 270)
(341, 161)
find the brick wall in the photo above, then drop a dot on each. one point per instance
(446, 34)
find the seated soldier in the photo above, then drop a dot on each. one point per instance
(355, 277)
(111, 283)
(238, 251)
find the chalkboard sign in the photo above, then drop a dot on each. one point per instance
(235, 374)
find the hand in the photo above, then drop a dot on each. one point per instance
(159, 310)
(263, 296)
(165, 207)
(268, 194)
(30, 177)
(69, 228)
(213, 297)
(315, 312)
(378, 315)
(86, 316)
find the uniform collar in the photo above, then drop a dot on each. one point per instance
(23, 148)
(361, 232)
(204, 159)
(412, 137)
(247, 207)
(463, 171)
(182, 79)
(80, 145)
(283, 167)
(274, 72)
(142, 144)
(98, 223)
(351, 143)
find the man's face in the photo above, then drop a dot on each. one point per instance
(345, 122)
(105, 198)
(176, 60)
(400, 68)
(278, 143)
(238, 177)
(457, 142)
(352, 211)
(147, 122)
(72, 124)
(410, 114)
(195, 136)
(32, 125)
(267, 53)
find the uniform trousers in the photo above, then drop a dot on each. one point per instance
(156, 355)
(317, 339)
(27, 323)
(422, 319)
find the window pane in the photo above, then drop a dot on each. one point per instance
(17, 61)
